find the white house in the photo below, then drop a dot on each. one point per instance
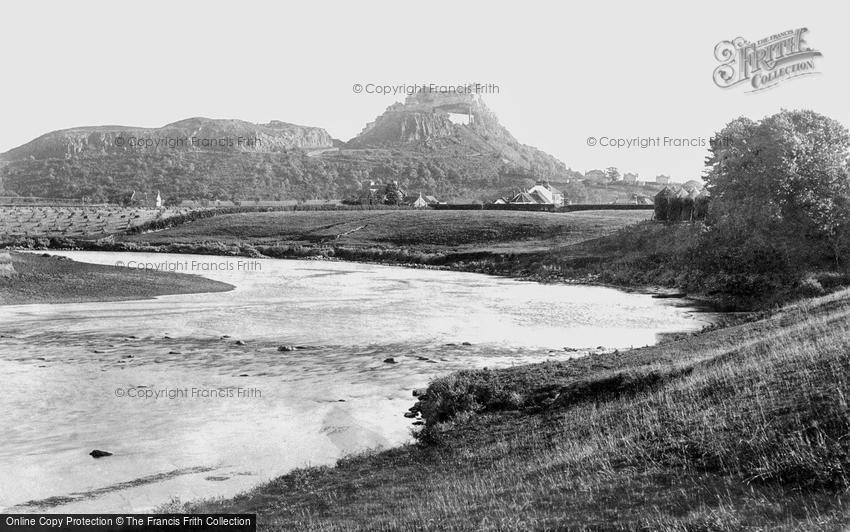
(545, 193)
(419, 202)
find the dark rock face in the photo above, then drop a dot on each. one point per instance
(399, 126)
(425, 120)
(97, 453)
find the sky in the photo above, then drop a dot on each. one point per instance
(564, 72)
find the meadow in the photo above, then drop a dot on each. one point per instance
(424, 229)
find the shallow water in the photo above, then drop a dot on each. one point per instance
(188, 412)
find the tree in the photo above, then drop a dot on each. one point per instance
(786, 176)
(393, 196)
(612, 174)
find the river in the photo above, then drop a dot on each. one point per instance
(193, 398)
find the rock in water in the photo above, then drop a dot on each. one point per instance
(97, 453)
(286, 348)
(390, 360)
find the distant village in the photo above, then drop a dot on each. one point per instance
(542, 192)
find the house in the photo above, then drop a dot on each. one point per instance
(523, 198)
(538, 197)
(142, 200)
(630, 178)
(543, 192)
(431, 200)
(662, 179)
(417, 203)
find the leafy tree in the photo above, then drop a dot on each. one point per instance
(612, 173)
(393, 196)
(785, 176)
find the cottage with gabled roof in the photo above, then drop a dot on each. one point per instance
(523, 198)
(547, 194)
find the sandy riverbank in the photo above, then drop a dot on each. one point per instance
(43, 278)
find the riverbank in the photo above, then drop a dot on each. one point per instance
(740, 427)
(518, 245)
(53, 279)
(621, 249)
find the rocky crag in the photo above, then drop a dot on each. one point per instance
(448, 145)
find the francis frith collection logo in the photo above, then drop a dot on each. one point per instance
(765, 63)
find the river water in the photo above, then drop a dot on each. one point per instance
(193, 398)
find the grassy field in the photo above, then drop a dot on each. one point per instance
(51, 279)
(425, 230)
(740, 427)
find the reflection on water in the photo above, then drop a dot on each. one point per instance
(194, 399)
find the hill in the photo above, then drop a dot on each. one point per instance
(459, 125)
(191, 134)
(420, 143)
